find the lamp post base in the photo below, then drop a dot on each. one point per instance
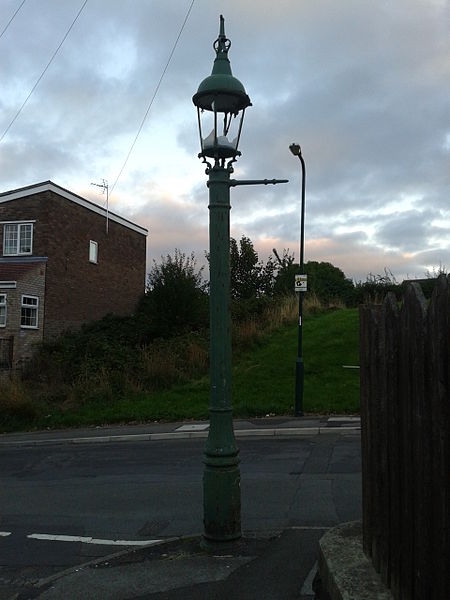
(222, 504)
(221, 481)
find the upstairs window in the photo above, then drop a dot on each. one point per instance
(29, 312)
(2, 310)
(93, 252)
(17, 238)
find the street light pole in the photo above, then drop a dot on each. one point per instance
(222, 99)
(221, 478)
(299, 367)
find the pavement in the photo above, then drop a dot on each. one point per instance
(260, 427)
(280, 565)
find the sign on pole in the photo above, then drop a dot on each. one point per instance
(301, 283)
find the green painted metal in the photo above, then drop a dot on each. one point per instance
(236, 182)
(221, 480)
(221, 91)
(299, 366)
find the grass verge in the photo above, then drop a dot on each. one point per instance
(263, 381)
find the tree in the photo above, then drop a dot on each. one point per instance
(286, 270)
(328, 282)
(176, 298)
(250, 278)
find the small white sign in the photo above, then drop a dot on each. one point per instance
(301, 283)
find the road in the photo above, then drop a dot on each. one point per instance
(101, 497)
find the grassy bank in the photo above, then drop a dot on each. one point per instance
(263, 382)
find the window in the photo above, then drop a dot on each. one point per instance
(2, 310)
(17, 238)
(93, 252)
(29, 312)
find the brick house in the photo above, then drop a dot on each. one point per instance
(64, 261)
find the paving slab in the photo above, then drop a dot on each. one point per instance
(268, 567)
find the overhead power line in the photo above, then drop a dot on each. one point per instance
(153, 97)
(12, 18)
(44, 71)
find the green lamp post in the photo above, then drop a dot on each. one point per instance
(221, 99)
(299, 368)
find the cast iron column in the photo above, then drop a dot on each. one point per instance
(221, 479)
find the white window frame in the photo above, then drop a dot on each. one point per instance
(18, 225)
(35, 307)
(3, 306)
(93, 252)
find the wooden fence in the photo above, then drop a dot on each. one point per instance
(405, 418)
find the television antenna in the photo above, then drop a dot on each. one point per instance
(105, 188)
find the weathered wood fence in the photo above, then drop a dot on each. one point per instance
(405, 416)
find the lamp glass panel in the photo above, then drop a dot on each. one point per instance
(227, 133)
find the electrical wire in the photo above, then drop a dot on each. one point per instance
(44, 71)
(153, 98)
(12, 18)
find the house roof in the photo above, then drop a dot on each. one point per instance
(47, 186)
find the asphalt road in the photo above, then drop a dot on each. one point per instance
(101, 497)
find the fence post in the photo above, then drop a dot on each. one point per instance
(438, 388)
(393, 466)
(371, 356)
(366, 327)
(414, 336)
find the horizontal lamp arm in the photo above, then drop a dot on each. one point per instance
(235, 182)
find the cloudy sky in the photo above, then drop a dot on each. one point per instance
(363, 86)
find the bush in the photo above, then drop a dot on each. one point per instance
(176, 300)
(375, 288)
(328, 282)
(16, 404)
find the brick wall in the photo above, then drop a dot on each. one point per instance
(30, 283)
(78, 291)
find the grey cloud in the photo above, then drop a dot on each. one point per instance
(361, 86)
(407, 231)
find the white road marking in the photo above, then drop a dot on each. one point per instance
(307, 584)
(193, 427)
(5, 533)
(89, 540)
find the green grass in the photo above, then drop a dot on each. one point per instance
(263, 380)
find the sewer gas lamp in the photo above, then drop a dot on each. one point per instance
(221, 101)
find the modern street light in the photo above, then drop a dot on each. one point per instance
(299, 370)
(222, 100)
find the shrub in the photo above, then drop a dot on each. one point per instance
(176, 299)
(166, 362)
(375, 288)
(16, 404)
